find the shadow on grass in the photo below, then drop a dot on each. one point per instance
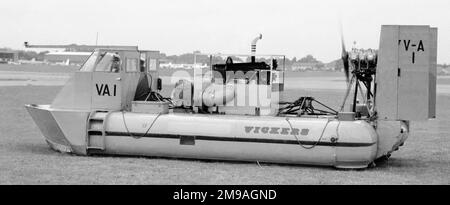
(219, 162)
(400, 163)
(395, 163)
(44, 149)
(41, 149)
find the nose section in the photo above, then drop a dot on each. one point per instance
(48, 126)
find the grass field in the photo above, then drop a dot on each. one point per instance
(39, 68)
(25, 158)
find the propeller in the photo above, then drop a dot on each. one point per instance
(344, 57)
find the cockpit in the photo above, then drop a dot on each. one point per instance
(102, 62)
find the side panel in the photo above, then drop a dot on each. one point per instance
(76, 93)
(106, 91)
(130, 78)
(387, 68)
(433, 73)
(48, 126)
(406, 73)
(413, 81)
(73, 125)
(129, 84)
(264, 139)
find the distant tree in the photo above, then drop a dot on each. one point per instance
(188, 58)
(338, 65)
(40, 55)
(27, 55)
(5, 49)
(294, 60)
(308, 59)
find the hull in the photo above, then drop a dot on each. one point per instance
(308, 141)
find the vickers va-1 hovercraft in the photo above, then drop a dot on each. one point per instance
(113, 106)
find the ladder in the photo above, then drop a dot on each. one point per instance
(95, 138)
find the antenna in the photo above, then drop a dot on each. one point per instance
(96, 40)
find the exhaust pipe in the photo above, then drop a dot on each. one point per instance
(253, 51)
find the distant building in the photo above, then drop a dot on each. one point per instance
(8, 56)
(67, 57)
(300, 66)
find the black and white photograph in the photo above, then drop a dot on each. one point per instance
(225, 92)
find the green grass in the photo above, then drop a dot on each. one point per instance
(25, 158)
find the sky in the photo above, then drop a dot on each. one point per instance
(293, 28)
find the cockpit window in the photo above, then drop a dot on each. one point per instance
(102, 62)
(89, 65)
(108, 62)
(132, 65)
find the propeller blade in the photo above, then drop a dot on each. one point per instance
(346, 67)
(344, 57)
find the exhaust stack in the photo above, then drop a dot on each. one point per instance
(253, 51)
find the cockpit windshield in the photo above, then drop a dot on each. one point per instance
(106, 62)
(89, 65)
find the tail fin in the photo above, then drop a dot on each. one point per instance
(406, 73)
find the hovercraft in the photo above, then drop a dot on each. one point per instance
(233, 111)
